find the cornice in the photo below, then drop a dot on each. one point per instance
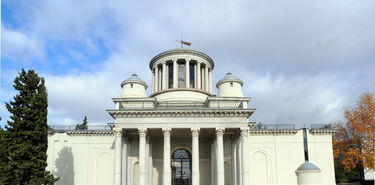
(91, 132)
(322, 132)
(181, 113)
(273, 132)
(181, 51)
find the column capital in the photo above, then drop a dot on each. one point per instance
(142, 131)
(195, 132)
(167, 132)
(220, 131)
(244, 131)
(118, 131)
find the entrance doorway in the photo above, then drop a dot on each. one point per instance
(181, 167)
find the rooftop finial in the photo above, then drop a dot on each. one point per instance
(134, 74)
(229, 73)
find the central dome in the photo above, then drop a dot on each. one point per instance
(181, 75)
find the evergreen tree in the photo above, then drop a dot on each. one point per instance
(25, 138)
(3, 156)
(82, 126)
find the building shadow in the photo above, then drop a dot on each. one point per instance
(64, 167)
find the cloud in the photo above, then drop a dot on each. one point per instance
(17, 45)
(301, 61)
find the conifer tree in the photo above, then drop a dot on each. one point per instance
(82, 126)
(3, 156)
(25, 137)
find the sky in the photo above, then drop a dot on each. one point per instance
(302, 62)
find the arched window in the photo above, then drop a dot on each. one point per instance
(181, 167)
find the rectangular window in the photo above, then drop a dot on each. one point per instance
(192, 76)
(170, 75)
(181, 75)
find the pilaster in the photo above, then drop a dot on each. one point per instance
(118, 159)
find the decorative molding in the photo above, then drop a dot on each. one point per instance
(273, 132)
(167, 132)
(181, 113)
(195, 132)
(244, 132)
(142, 132)
(90, 132)
(117, 132)
(322, 132)
(220, 131)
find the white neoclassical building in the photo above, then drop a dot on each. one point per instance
(182, 134)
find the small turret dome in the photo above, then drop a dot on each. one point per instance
(307, 166)
(230, 86)
(308, 174)
(133, 87)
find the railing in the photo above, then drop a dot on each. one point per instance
(273, 127)
(73, 127)
(321, 126)
(184, 105)
(259, 126)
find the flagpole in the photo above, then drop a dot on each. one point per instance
(181, 40)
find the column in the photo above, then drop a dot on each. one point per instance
(124, 165)
(153, 81)
(202, 78)
(195, 76)
(167, 177)
(199, 75)
(167, 76)
(210, 81)
(156, 78)
(206, 78)
(160, 79)
(213, 149)
(187, 73)
(175, 74)
(195, 155)
(245, 155)
(147, 150)
(239, 164)
(150, 160)
(118, 162)
(141, 156)
(220, 156)
(164, 79)
(234, 157)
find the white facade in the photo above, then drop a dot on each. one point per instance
(183, 134)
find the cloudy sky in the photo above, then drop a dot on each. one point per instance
(302, 62)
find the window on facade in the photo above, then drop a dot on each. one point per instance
(192, 75)
(181, 75)
(131, 85)
(231, 84)
(170, 75)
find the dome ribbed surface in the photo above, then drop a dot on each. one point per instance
(229, 78)
(307, 166)
(134, 79)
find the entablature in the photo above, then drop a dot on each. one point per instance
(181, 113)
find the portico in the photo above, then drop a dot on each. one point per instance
(214, 135)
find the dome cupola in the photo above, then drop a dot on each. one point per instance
(181, 75)
(230, 86)
(133, 87)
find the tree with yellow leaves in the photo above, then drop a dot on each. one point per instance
(353, 144)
